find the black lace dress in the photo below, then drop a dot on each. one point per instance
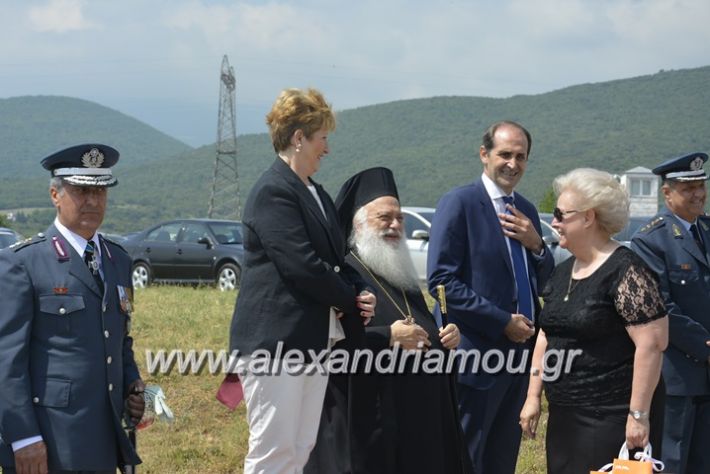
(589, 403)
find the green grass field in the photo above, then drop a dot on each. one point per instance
(205, 436)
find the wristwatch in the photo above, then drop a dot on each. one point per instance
(638, 415)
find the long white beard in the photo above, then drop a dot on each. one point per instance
(390, 261)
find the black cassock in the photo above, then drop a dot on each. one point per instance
(390, 423)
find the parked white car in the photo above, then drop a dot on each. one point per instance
(417, 224)
(552, 238)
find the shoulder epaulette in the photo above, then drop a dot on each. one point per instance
(654, 224)
(27, 242)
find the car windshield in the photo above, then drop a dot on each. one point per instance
(227, 232)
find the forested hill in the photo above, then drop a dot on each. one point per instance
(31, 127)
(432, 144)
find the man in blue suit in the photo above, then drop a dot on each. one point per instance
(675, 245)
(67, 371)
(485, 248)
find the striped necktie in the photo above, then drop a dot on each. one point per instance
(93, 263)
(525, 304)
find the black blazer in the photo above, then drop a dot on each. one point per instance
(294, 269)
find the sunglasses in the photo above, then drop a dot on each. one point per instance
(559, 214)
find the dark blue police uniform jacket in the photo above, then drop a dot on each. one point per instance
(67, 359)
(684, 275)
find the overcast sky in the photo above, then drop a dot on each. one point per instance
(159, 60)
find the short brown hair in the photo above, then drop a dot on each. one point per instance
(296, 109)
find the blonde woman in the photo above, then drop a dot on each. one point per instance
(293, 283)
(604, 304)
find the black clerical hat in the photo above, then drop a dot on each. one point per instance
(359, 190)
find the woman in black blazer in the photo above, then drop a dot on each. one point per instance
(298, 296)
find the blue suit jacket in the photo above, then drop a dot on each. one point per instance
(468, 254)
(684, 275)
(67, 359)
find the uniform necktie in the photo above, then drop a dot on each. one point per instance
(525, 305)
(92, 262)
(697, 238)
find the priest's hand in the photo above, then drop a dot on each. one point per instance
(450, 336)
(409, 336)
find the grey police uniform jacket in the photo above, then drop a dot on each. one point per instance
(684, 274)
(66, 359)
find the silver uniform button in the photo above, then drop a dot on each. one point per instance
(108, 360)
(106, 334)
(336, 269)
(682, 282)
(110, 387)
(62, 311)
(35, 400)
(103, 308)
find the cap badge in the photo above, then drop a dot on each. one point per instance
(696, 164)
(94, 158)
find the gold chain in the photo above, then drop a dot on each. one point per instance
(408, 319)
(571, 288)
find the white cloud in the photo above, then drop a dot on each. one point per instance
(59, 16)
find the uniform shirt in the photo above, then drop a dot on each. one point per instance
(78, 243)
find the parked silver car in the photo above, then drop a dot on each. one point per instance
(417, 224)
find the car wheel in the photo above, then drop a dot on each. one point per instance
(141, 275)
(228, 277)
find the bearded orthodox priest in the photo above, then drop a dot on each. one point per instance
(403, 420)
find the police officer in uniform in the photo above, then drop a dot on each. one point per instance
(67, 372)
(675, 245)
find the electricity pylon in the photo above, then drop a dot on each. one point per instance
(224, 201)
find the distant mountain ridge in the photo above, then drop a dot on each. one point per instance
(432, 145)
(32, 127)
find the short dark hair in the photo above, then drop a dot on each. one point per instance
(490, 132)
